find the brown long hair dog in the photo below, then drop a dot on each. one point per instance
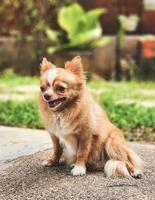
(79, 128)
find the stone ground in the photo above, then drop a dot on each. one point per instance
(15, 142)
(25, 178)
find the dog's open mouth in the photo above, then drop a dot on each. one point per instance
(56, 103)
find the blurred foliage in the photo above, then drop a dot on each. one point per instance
(128, 23)
(10, 79)
(79, 29)
(25, 114)
(28, 18)
(137, 122)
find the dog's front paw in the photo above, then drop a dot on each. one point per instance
(78, 170)
(136, 174)
(49, 162)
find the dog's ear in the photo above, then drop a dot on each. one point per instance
(46, 65)
(75, 66)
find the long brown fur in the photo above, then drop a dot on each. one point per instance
(79, 128)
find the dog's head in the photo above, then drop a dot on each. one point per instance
(61, 87)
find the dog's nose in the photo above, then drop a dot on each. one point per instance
(47, 97)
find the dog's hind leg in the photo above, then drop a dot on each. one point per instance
(133, 164)
(121, 160)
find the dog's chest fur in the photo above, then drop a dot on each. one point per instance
(59, 126)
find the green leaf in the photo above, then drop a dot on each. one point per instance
(93, 16)
(52, 49)
(82, 27)
(86, 36)
(53, 35)
(68, 17)
(89, 27)
(103, 41)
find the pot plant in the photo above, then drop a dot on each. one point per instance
(129, 23)
(126, 24)
(80, 32)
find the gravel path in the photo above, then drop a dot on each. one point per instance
(27, 179)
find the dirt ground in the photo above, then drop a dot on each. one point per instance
(27, 179)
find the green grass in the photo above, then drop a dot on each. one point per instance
(13, 79)
(8, 83)
(130, 118)
(20, 114)
(125, 90)
(137, 122)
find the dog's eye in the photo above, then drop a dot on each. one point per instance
(42, 88)
(60, 89)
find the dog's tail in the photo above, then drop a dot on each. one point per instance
(115, 168)
(122, 161)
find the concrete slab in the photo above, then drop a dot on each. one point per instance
(15, 142)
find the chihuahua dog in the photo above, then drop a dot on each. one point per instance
(80, 130)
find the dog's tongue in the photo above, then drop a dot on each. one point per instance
(56, 103)
(53, 104)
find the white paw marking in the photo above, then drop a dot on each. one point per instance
(46, 163)
(78, 170)
(136, 174)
